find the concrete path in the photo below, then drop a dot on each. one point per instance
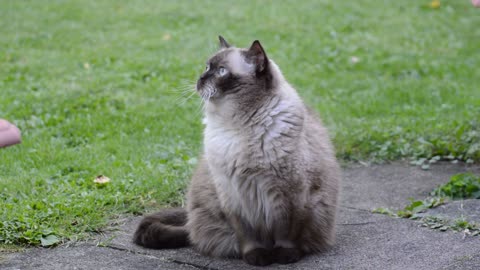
(364, 240)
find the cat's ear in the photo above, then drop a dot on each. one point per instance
(223, 43)
(258, 56)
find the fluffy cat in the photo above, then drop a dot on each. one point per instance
(266, 188)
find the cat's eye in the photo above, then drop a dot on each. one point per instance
(207, 67)
(222, 71)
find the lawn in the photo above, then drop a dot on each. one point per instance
(103, 87)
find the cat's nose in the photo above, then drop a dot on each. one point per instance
(200, 83)
(204, 75)
(201, 80)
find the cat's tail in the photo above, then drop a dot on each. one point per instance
(165, 229)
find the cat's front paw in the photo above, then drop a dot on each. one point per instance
(287, 255)
(258, 256)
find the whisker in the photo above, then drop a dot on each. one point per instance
(182, 102)
(181, 99)
(184, 85)
(200, 107)
(184, 92)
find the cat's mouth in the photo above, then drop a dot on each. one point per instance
(206, 91)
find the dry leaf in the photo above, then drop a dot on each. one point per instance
(101, 180)
(354, 59)
(435, 4)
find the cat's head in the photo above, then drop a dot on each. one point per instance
(235, 72)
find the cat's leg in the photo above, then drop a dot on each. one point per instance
(286, 232)
(209, 231)
(321, 209)
(211, 234)
(262, 246)
(319, 230)
(255, 244)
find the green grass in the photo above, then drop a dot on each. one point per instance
(95, 88)
(460, 186)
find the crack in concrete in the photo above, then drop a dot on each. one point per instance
(353, 208)
(203, 267)
(198, 266)
(355, 224)
(127, 250)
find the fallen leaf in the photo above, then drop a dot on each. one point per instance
(101, 180)
(435, 4)
(166, 37)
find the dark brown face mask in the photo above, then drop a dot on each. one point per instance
(232, 70)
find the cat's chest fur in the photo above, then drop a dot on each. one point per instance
(245, 160)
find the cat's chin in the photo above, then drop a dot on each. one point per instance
(208, 94)
(215, 97)
(208, 99)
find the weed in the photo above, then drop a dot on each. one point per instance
(460, 186)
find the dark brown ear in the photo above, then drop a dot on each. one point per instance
(258, 56)
(223, 43)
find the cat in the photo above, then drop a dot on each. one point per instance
(266, 187)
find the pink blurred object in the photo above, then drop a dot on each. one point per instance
(476, 3)
(9, 134)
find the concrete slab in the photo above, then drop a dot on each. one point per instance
(392, 185)
(86, 257)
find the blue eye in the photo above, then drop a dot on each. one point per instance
(222, 71)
